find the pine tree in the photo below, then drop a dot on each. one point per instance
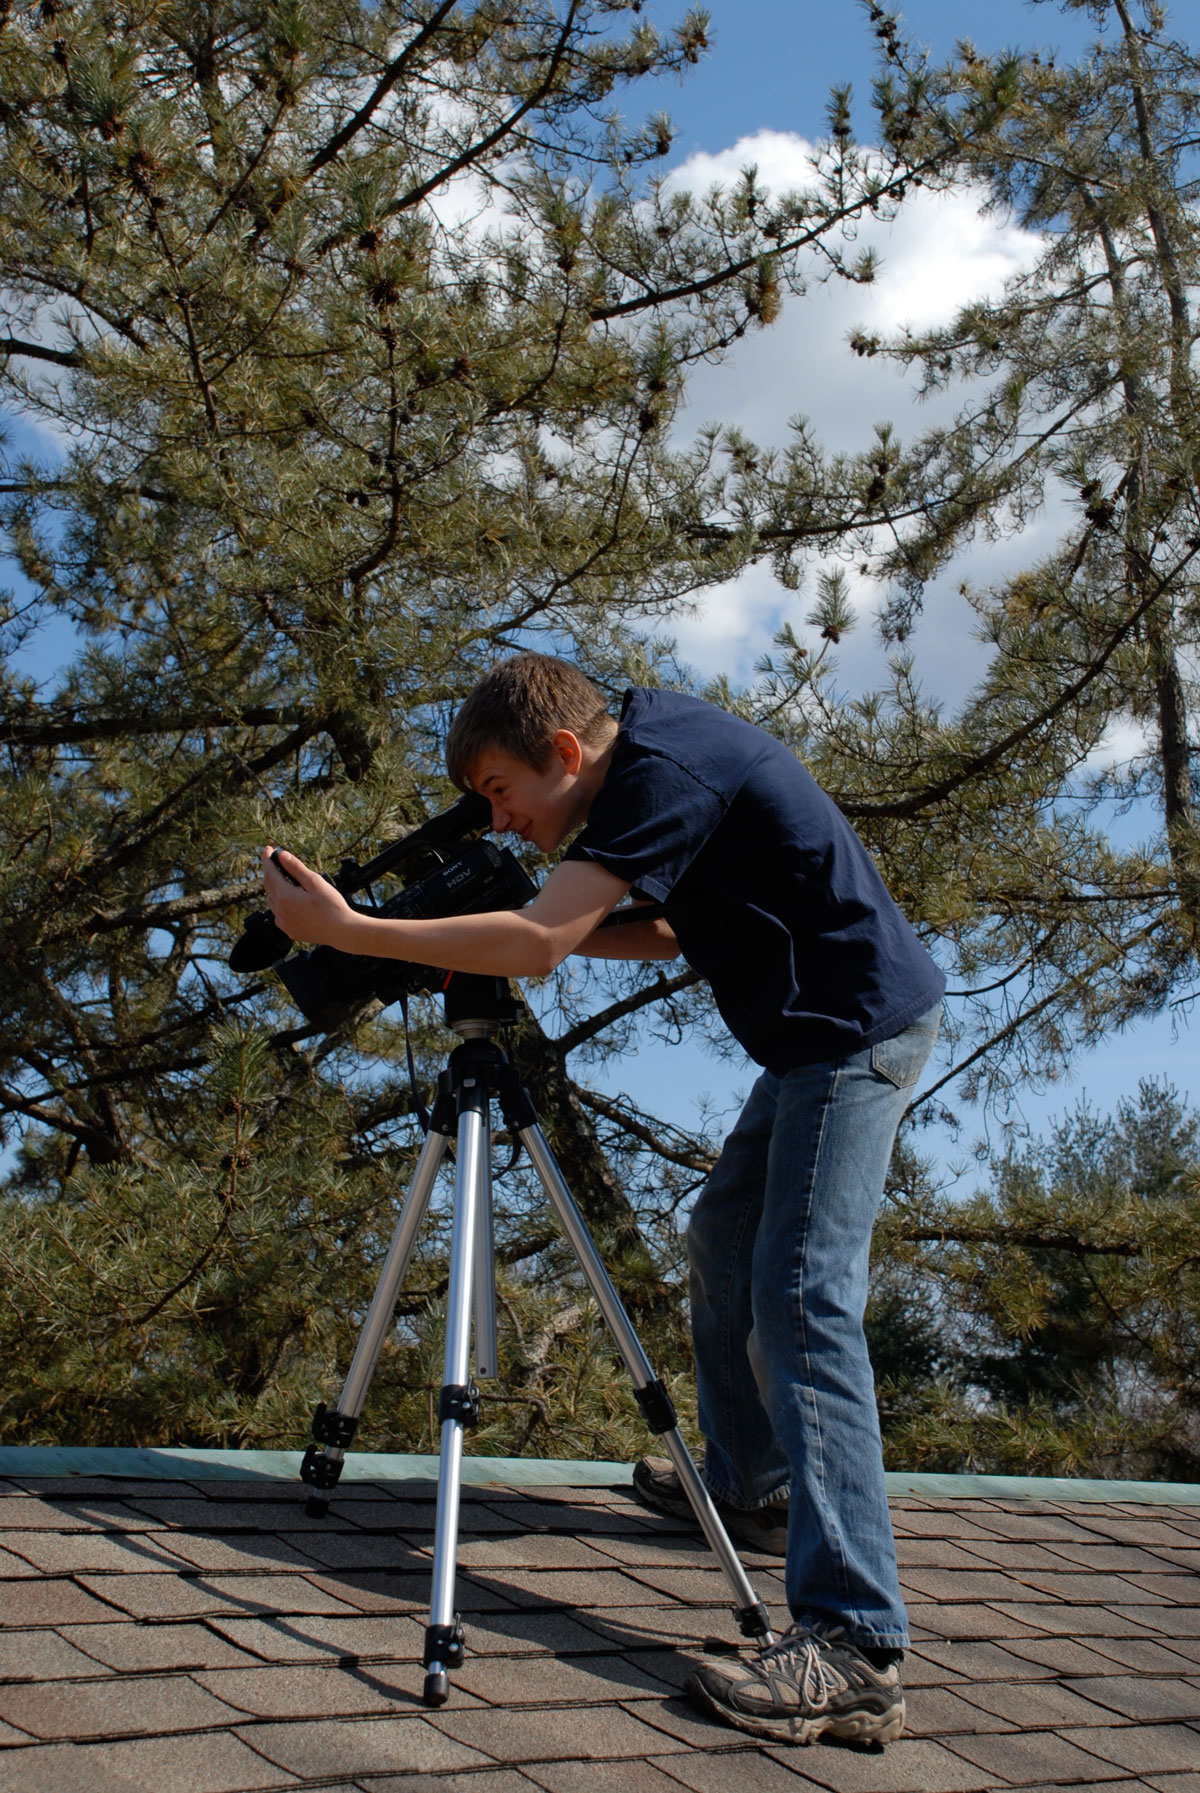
(357, 330)
(1068, 1299)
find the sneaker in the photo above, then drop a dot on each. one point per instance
(812, 1680)
(656, 1483)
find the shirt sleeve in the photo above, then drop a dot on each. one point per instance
(647, 822)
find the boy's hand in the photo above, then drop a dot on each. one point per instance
(305, 905)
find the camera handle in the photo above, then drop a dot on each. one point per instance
(476, 1073)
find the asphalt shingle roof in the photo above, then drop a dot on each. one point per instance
(207, 1636)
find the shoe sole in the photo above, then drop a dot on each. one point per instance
(858, 1727)
(680, 1507)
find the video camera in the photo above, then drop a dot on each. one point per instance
(445, 874)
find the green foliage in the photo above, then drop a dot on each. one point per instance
(1069, 1304)
(355, 332)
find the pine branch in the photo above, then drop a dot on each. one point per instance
(658, 991)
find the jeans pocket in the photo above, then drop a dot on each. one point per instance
(902, 1058)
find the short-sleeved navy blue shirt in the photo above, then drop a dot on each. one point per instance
(771, 894)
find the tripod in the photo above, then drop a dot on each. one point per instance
(477, 1071)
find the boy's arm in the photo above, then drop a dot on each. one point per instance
(526, 942)
(632, 940)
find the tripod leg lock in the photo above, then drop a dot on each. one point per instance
(444, 1645)
(658, 1410)
(459, 1401)
(333, 1427)
(318, 1470)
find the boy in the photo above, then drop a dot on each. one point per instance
(769, 894)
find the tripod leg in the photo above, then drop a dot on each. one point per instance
(652, 1397)
(322, 1468)
(458, 1405)
(487, 1346)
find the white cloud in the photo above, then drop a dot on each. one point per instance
(938, 254)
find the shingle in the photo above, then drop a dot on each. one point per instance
(1171, 1589)
(1078, 1587)
(25, 1513)
(521, 1633)
(726, 1771)
(330, 1691)
(57, 1768)
(1180, 1556)
(545, 1680)
(117, 1706)
(667, 1624)
(48, 1602)
(1031, 1757)
(1005, 1619)
(1123, 1529)
(939, 1523)
(377, 1590)
(41, 1656)
(318, 1638)
(91, 1487)
(1174, 1621)
(1143, 1696)
(1143, 1748)
(1011, 1555)
(681, 1723)
(218, 1552)
(936, 1711)
(209, 1763)
(1075, 1621)
(12, 1566)
(1064, 1656)
(487, 1780)
(393, 1515)
(232, 1515)
(975, 1660)
(141, 1647)
(67, 1553)
(635, 1550)
(384, 1552)
(544, 1550)
(962, 1585)
(1118, 1559)
(547, 1736)
(915, 1765)
(609, 1521)
(348, 1747)
(1078, 1786)
(600, 1777)
(558, 1587)
(1024, 1522)
(181, 1597)
(1146, 1654)
(1035, 1705)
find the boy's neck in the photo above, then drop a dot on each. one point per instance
(597, 758)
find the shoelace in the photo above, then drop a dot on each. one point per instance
(817, 1680)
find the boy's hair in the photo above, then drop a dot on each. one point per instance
(519, 706)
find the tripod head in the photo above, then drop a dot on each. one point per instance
(476, 1005)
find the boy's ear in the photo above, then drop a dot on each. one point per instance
(566, 748)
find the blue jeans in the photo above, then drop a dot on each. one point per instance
(779, 1246)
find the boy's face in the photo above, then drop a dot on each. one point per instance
(543, 805)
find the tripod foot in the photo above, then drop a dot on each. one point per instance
(437, 1688)
(316, 1508)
